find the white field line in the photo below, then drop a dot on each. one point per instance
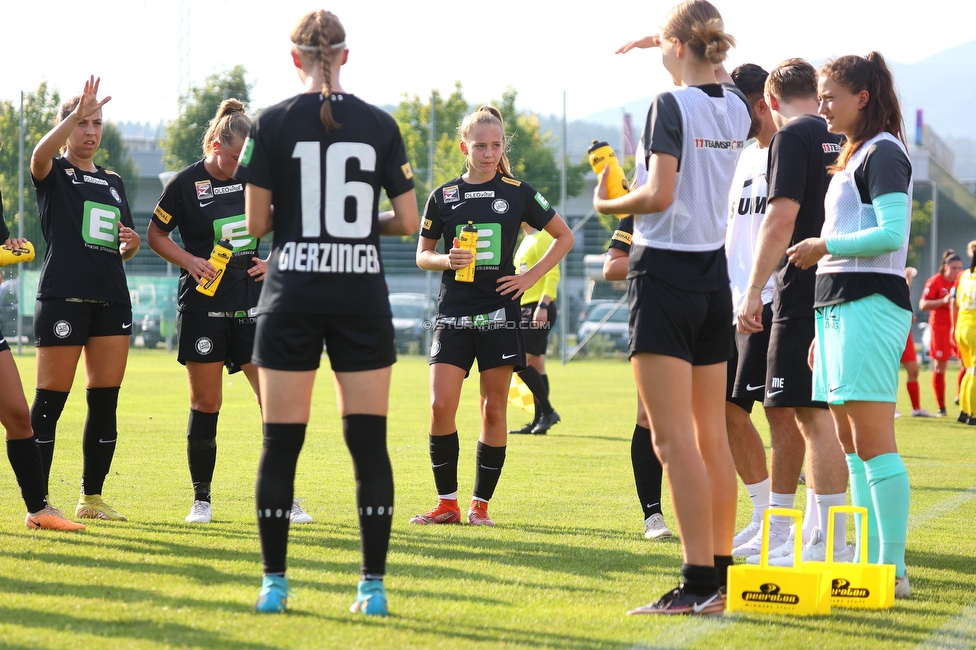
(957, 633)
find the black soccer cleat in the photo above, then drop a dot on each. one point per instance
(546, 422)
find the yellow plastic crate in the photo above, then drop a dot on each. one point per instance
(860, 585)
(800, 590)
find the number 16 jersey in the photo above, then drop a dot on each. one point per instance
(325, 188)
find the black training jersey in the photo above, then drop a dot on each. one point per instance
(623, 236)
(80, 214)
(799, 155)
(206, 210)
(497, 208)
(325, 189)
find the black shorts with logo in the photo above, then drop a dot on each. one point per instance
(72, 321)
(493, 339)
(695, 326)
(750, 372)
(789, 380)
(535, 338)
(216, 337)
(294, 341)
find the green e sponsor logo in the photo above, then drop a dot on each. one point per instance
(234, 230)
(246, 152)
(489, 247)
(100, 224)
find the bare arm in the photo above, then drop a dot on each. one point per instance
(257, 210)
(161, 244)
(42, 158)
(403, 220)
(774, 238)
(615, 265)
(928, 304)
(654, 196)
(429, 259)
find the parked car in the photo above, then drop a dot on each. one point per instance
(616, 328)
(8, 312)
(412, 315)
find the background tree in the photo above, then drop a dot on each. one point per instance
(183, 140)
(40, 110)
(532, 151)
(921, 224)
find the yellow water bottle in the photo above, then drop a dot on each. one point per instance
(468, 240)
(222, 251)
(11, 256)
(602, 155)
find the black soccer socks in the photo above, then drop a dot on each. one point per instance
(366, 439)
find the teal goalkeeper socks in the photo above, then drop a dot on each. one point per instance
(861, 496)
(888, 481)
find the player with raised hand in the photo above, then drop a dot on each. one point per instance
(322, 158)
(863, 306)
(82, 298)
(680, 301)
(479, 319)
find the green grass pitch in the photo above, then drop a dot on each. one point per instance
(565, 562)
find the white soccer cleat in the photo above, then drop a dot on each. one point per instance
(200, 513)
(816, 551)
(747, 533)
(778, 536)
(298, 514)
(921, 413)
(655, 528)
(783, 550)
(902, 588)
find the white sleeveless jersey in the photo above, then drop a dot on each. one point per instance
(747, 209)
(845, 214)
(713, 130)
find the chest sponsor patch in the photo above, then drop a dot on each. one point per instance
(93, 180)
(488, 251)
(100, 226)
(227, 189)
(479, 195)
(451, 194)
(234, 230)
(831, 147)
(204, 190)
(727, 145)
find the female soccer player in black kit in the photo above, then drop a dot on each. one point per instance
(321, 158)
(681, 303)
(479, 320)
(22, 450)
(206, 203)
(83, 299)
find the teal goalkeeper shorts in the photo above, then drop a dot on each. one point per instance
(859, 345)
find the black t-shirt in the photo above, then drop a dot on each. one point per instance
(80, 212)
(325, 189)
(206, 210)
(885, 170)
(693, 270)
(497, 208)
(623, 236)
(799, 155)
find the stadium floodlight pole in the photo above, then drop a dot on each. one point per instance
(562, 262)
(20, 225)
